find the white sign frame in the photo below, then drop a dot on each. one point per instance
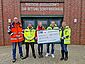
(48, 36)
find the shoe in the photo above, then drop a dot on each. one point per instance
(14, 60)
(66, 56)
(52, 55)
(41, 56)
(47, 54)
(21, 57)
(25, 57)
(39, 53)
(62, 58)
(66, 59)
(34, 56)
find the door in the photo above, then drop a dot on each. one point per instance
(46, 21)
(58, 21)
(26, 21)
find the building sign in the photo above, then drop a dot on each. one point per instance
(42, 8)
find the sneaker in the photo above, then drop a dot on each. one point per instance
(14, 60)
(47, 54)
(21, 57)
(52, 55)
(41, 56)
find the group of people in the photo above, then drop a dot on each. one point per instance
(29, 36)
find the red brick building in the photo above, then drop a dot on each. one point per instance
(71, 11)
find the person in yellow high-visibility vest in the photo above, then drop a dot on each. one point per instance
(65, 33)
(53, 26)
(29, 35)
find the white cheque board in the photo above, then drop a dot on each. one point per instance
(48, 36)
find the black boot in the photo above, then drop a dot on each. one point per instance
(34, 55)
(62, 52)
(25, 57)
(41, 54)
(66, 56)
(27, 51)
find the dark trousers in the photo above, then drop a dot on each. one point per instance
(63, 46)
(14, 49)
(27, 48)
(52, 48)
(40, 49)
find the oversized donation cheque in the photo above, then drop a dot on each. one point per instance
(48, 36)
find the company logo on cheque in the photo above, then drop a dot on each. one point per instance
(44, 32)
(40, 32)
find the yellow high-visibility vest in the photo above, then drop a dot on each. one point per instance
(66, 32)
(50, 27)
(29, 35)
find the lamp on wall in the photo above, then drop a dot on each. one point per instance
(75, 20)
(9, 20)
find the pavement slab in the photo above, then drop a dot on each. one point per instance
(76, 55)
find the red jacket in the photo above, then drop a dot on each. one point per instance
(16, 33)
(39, 28)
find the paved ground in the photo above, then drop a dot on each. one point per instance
(76, 56)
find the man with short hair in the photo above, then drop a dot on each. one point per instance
(29, 34)
(16, 37)
(53, 26)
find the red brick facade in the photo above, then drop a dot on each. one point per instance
(10, 10)
(1, 25)
(73, 9)
(82, 27)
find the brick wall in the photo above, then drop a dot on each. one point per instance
(73, 11)
(10, 10)
(42, 0)
(1, 25)
(82, 38)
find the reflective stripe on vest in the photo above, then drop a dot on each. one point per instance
(66, 41)
(21, 38)
(20, 32)
(14, 33)
(17, 35)
(13, 38)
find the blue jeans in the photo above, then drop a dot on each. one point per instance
(14, 49)
(52, 48)
(63, 46)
